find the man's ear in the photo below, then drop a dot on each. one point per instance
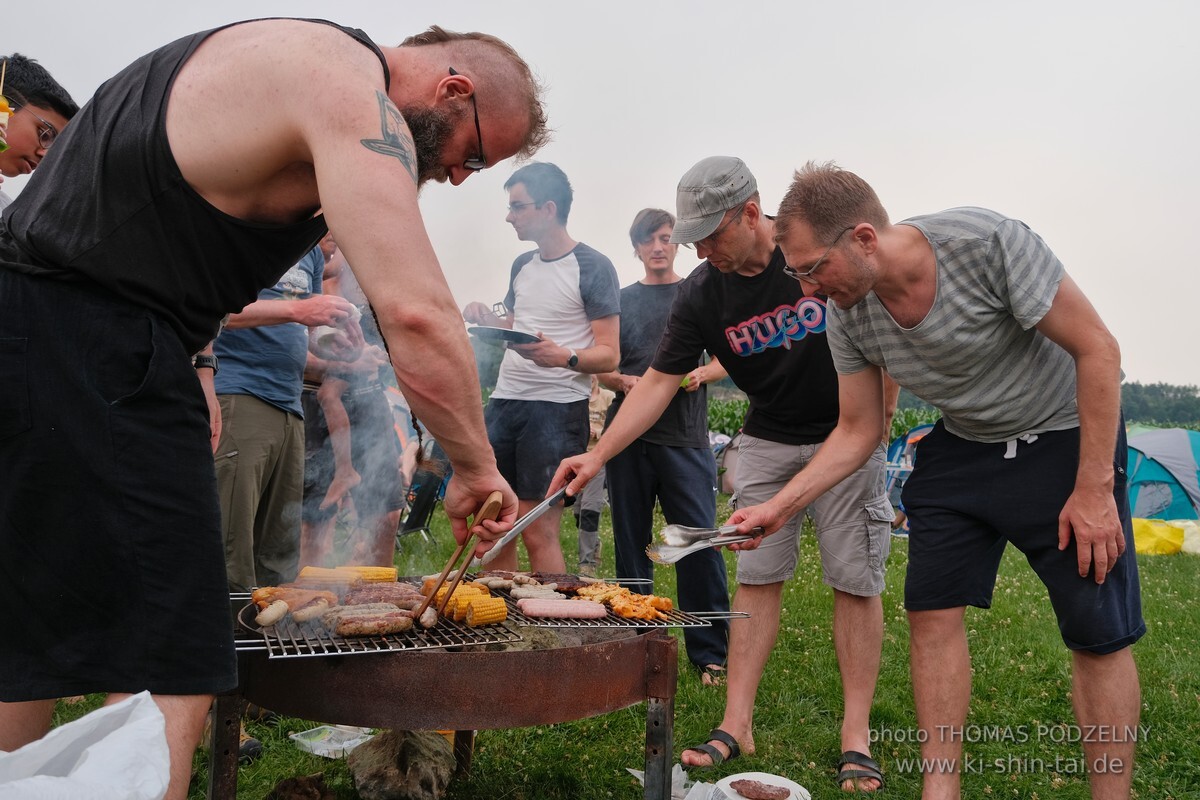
(454, 85)
(867, 237)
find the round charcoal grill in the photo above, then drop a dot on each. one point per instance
(464, 691)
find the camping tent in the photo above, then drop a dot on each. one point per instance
(1164, 473)
(901, 453)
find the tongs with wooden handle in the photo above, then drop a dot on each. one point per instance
(489, 510)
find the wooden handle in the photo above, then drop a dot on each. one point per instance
(490, 508)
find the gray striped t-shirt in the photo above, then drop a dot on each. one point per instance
(976, 356)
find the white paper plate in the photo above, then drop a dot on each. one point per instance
(496, 334)
(798, 791)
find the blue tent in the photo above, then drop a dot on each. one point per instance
(1164, 473)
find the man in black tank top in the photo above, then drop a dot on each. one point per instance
(192, 179)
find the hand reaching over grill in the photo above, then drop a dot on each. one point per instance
(466, 495)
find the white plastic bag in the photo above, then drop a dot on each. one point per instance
(118, 752)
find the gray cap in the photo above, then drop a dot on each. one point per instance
(706, 191)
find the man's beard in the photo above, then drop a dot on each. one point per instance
(431, 129)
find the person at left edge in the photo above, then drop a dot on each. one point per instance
(192, 179)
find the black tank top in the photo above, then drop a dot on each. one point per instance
(109, 205)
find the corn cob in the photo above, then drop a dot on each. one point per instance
(464, 590)
(486, 610)
(373, 574)
(339, 576)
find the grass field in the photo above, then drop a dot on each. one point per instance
(1020, 715)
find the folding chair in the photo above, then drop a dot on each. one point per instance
(428, 488)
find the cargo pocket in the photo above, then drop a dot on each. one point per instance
(879, 523)
(14, 388)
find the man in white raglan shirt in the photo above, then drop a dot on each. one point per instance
(569, 296)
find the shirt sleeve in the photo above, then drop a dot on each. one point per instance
(1024, 272)
(847, 358)
(598, 284)
(682, 342)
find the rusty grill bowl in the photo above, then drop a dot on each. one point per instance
(291, 639)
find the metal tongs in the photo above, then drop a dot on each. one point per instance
(678, 541)
(489, 510)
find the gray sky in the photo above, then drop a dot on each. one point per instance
(1078, 117)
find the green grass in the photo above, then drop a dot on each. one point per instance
(1021, 681)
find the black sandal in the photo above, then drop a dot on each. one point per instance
(868, 768)
(716, 734)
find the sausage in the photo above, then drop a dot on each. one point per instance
(311, 611)
(525, 592)
(272, 614)
(563, 609)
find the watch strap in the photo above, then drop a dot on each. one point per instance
(205, 361)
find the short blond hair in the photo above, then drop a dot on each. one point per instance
(829, 199)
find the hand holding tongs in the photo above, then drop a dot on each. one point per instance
(489, 510)
(680, 540)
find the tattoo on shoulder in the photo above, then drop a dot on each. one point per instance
(395, 139)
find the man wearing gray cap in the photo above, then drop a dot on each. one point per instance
(742, 308)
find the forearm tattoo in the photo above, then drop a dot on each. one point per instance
(396, 141)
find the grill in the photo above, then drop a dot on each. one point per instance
(675, 619)
(290, 639)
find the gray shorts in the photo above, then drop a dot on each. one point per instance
(852, 520)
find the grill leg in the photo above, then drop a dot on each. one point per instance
(660, 714)
(223, 746)
(464, 749)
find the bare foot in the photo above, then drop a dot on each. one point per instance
(712, 675)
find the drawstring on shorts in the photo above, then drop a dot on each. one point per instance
(1010, 447)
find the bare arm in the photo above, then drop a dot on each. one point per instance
(891, 396)
(1091, 512)
(603, 356)
(359, 166)
(705, 373)
(848, 447)
(641, 409)
(208, 386)
(320, 309)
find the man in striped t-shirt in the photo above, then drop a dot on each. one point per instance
(973, 313)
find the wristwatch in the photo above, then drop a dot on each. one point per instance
(572, 360)
(202, 361)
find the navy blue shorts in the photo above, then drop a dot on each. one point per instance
(112, 566)
(966, 501)
(531, 438)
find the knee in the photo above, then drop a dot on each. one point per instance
(935, 624)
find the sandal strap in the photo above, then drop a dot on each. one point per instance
(869, 767)
(724, 738)
(710, 751)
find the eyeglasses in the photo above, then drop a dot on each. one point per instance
(710, 241)
(480, 163)
(806, 276)
(515, 207)
(47, 133)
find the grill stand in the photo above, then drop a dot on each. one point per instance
(463, 691)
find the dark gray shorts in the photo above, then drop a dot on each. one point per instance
(531, 438)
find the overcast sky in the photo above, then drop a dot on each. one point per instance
(1080, 118)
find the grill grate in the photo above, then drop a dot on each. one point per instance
(675, 619)
(290, 639)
